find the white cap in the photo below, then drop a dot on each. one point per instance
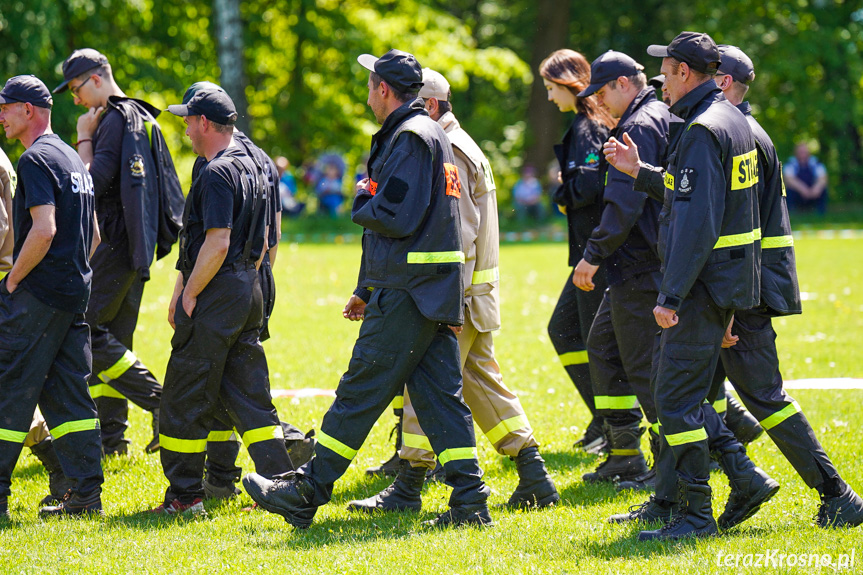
(434, 85)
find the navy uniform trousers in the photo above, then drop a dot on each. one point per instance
(218, 369)
(568, 330)
(620, 348)
(118, 375)
(45, 361)
(397, 344)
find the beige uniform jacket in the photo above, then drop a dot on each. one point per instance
(8, 181)
(479, 227)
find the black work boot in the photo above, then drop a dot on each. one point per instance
(474, 515)
(651, 511)
(436, 475)
(215, 488)
(4, 509)
(594, 440)
(647, 480)
(405, 493)
(625, 460)
(535, 488)
(742, 424)
(290, 497)
(845, 510)
(750, 488)
(390, 467)
(58, 484)
(154, 445)
(76, 504)
(693, 519)
(302, 450)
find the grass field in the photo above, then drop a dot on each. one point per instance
(311, 347)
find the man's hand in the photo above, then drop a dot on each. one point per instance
(622, 155)
(559, 177)
(355, 309)
(457, 329)
(88, 122)
(189, 303)
(582, 275)
(363, 188)
(729, 339)
(665, 317)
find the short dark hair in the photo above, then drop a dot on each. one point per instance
(221, 128)
(397, 94)
(639, 81)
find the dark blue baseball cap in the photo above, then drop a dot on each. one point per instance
(79, 62)
(208, 100)
(26, 89)
(736, 64)
(698, 50)
(610, 66)
(398, 69)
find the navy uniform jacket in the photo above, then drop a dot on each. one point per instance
(780, 293)
(579, 193)
(412, 236)
(627, 233)
(709, 224)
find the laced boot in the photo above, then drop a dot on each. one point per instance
(535, 488)
(75, 504)
(405, 493)
(650, 511)
(845, 510)
(594, 441)
(742, 424)
(750, 488)
(474, 515)
(390, 467)
(58, 484)
(647, 480)
(625, 460)
(291, 497)
(694, 518)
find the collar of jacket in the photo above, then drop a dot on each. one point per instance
(685, 107)
(116, 101)
(400, 114)
(641, 98)
(746, 108)
(448, 122)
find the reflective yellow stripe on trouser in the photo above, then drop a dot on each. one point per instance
(12, 436)
(457, 453)
(104, 390)
(777, 242)
(687, 437)
(573, 358)
(263, 434)
(435, 257)
(335, 445)
(738, 239)
(506, 427)
(416, 441)
(119, 368)
(488, 276)
(73, 426)
(226, 435)
(183, 445)
(615, 402)
(772, 421)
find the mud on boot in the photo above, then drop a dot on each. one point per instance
(405, 493)
(625, 459)
(693, 519)
(535, 488)
(751, 487)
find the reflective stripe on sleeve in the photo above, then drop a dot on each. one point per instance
(435, 257)
(738, 239)
(336, 446)
(506, 427)
(615, 402)
(686, 437)
(74, 426)
(119, 368)
(573, 358)
(777, 242)
(488, 276)
(104, 390)
(263, 434)
(12, 436)
(457, 453)
(416, 441)
(183, 445)
(772, 421)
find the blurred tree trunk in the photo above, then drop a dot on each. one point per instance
(543, 118)
(229, 35)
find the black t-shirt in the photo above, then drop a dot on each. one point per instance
(271, 177)
(51, 173)
(222, 197)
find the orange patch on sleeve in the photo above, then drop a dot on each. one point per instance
(453, 184)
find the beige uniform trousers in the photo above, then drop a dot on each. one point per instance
(38, 430)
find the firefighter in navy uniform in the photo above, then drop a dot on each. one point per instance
(217, 362)
(620, 342)
(709, 241)
(751, 361)
(410, 293)
(139, 202)
(44, 341)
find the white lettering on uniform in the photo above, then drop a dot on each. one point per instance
(82, 183)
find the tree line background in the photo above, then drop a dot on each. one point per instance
(291, 64)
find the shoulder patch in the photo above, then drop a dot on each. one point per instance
(453, 184)
(688, 177)
(136, 166)
(592, 158)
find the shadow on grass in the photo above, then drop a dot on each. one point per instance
(629, 547)
(587, 494)
(565, 460)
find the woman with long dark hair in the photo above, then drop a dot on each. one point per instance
(565, 73)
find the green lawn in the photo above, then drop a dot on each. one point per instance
(311, 347)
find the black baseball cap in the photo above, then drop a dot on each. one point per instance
(736, 64)
(79, 62)
(193, 89)
(398, 69)
(610, 66)
(657, 81)
(26, 89)
(208, 100)
(698, 50)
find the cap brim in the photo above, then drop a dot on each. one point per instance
(367, 61)
(590, 90)
(5, 100)
(61, 88)
(179, 110)
(658, 51)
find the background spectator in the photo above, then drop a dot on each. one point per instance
(288, 188)
(527, 196)
(805, 181)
